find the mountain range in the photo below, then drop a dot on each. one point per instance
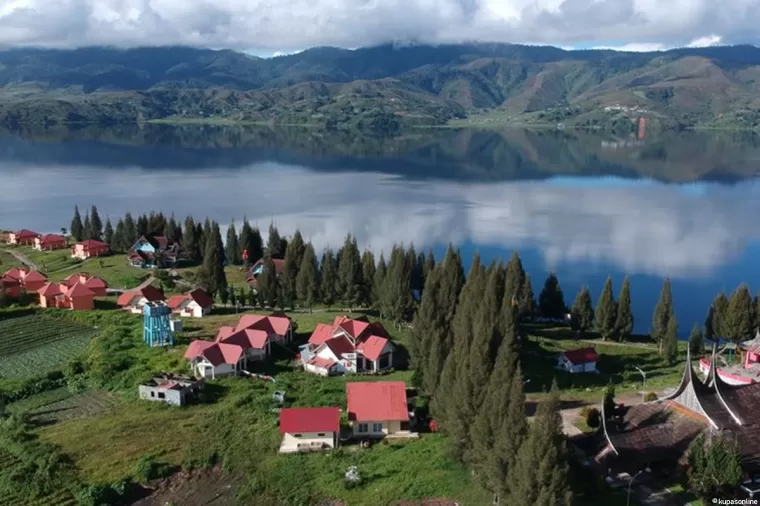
(384, 87)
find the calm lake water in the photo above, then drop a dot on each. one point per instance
(681, 205)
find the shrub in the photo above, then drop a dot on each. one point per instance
(147, 469)
(593, 418)
(650, 396)
(97, 495)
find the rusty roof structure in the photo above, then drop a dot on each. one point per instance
(662, 430)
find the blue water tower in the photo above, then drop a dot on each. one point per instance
(157, 329)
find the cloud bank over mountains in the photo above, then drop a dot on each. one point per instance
(271, 26)
(651, 228)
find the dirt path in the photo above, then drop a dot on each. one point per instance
(23, 259)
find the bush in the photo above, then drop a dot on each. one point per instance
(593, 418)
(101, 494)
(650, 396)
(147, 469)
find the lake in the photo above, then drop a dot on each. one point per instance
(683, 205)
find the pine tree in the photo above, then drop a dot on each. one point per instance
(119, 241)
(329, 278)
(350, 274)
(540, 473)
(368, 276)
(191, 242)
(624, 320)
(378, 282)
(244, 239)
(605, 315)
(108, 232)
(515, 278)
(663, 312)
(428, 264)
(143, 226)
(527, 299)
(715, 323)
(307, 281)
(77, 228)
(583, 311)
(251, 243)
(739, 318)
(212, 276)
(670, 340)
(268, 284)
(397, 288)
(172, 231)
(96, 225)
(714, 467)
(130, 230)
(293, 258)
(207, 234)
(274, 243)
(232, 247)
(551, 301)
(87, 227)
(696, 341)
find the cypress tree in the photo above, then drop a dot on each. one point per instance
(434, 347)
(368, 276)
(427, 267)
(540, 473)
(232, 296)
(243, 240)
(143, 227)
(293, 258)
(551, 301)
(119, 241)
(670, 340)
(190, 241)
(696, 340)
(397, 288)
(87, 227)
(156, 223)
(172, 230)
(515, 277)
(96, 225)
(624, 320)
(527, 299)
(232, 247)
(307, 280)
(207, 234)
(378, 282)
(350, 280)
(130, 230)
(200, 234)
(739, 318)
(329, 278)
(77, 228)
(212, 275)
(715, 323)
(415, 269)
(605, 315)
(108, 232)
(268, 284)
(583, 311)
(663, 312)
(710, 323)
(251, 243)
(426, 327)
(274, 243)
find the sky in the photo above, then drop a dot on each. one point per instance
(269, 27)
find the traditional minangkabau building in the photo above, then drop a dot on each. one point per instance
(659, 433)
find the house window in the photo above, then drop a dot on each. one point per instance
(161, 395)
(363, 427)
(296, 435)
(152, 394)
(321, 434)
(377, 427)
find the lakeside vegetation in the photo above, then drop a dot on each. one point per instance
(467, 338)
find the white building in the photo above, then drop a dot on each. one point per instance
(577, 361)
(171, 389)
(195, 304)
(309, 429)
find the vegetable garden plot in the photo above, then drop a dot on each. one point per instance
(35, 345)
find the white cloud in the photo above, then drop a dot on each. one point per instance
(642, 229)
(285, 25)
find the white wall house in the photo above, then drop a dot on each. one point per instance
(196, 304)
(377, 409)
(578, 361)
(309, 429)
(170, 389)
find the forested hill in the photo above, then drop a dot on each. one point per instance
(380, 86)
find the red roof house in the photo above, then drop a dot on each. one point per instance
(308, 429)
(16, 273)
(49, 242)
(134, 300)
(33, 281)
(23, 237)
(94, 283)
(89, 248)
(578, 360)
(10, 287)
(348, 345)
(48, 294)
(76, 297)
(280, 328)
(197, 303)
(377, 408)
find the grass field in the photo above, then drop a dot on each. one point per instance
(36, 344)
(60, 405)
(11, 497)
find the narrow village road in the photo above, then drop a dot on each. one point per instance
(23, 259)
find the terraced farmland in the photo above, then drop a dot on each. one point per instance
(85, 405)
(34, 345)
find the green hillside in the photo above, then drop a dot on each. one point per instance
(385, 87)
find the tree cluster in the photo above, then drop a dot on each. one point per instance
(465, 347)
(611, 319)
(736, 318)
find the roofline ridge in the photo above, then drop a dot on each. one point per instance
(604, 429)
(717, 380)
